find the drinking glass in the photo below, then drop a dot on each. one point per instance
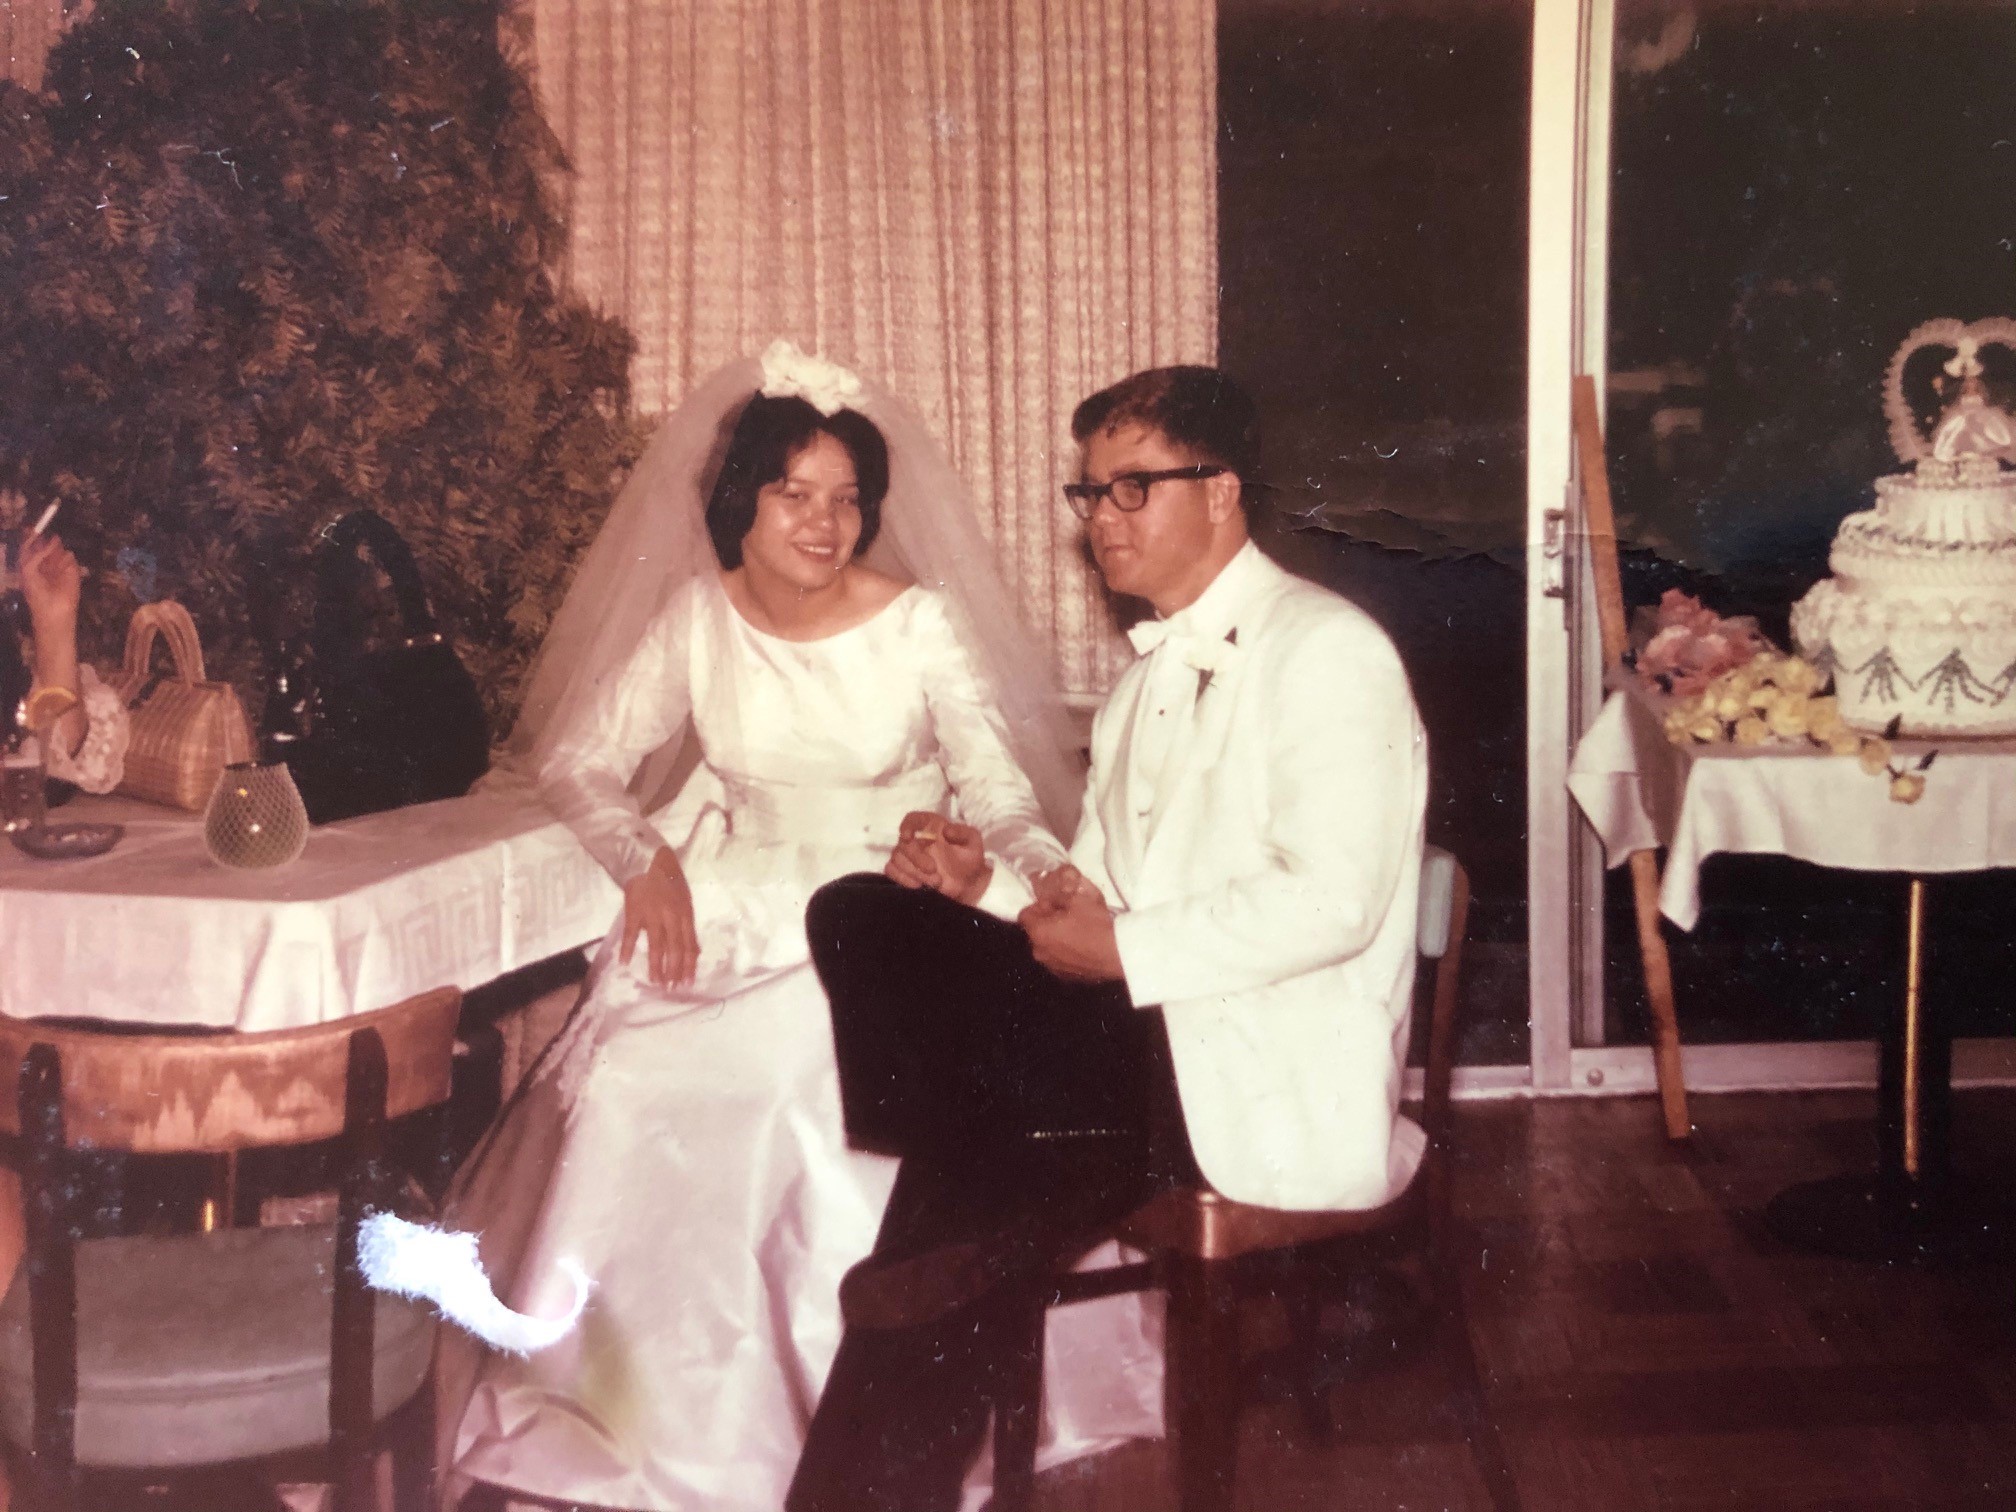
(21, 785)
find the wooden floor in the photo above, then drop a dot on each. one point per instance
(1647, 1345)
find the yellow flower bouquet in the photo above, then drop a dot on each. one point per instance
(1775, 699)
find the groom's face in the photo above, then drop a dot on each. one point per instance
(1154, 552)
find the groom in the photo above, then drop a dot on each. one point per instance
(1217, 985)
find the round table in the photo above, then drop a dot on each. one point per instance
(1639, 791)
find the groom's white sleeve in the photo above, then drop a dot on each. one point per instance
(1345, 772)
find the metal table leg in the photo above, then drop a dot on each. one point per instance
(1909, 1208)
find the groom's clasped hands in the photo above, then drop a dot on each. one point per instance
(1070, 928)
(1069, 925)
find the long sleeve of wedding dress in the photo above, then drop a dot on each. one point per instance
(989, 789)
(586, 781)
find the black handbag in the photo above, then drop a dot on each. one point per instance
(387, 726)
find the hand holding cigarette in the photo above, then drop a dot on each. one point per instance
(941, 854)
(51, 581)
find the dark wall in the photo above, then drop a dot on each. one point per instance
(1792, 194)
(1372, 204)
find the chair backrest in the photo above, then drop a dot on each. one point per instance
(213, 1094)
(1436, 917)
(157, 1094)
(1444, 916)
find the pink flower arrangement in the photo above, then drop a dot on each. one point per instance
(1691, 645)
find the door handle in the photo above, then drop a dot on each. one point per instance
(1554, 553)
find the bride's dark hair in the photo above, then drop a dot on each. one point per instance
(767, 435)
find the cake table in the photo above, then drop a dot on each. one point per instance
(1640, 792)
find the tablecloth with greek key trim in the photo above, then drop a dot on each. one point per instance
(376, 909)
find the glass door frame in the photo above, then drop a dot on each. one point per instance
(1567, 234)
(1567, 334)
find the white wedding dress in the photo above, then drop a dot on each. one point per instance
(685, 1146)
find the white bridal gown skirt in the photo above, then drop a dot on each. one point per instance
(699, 1174)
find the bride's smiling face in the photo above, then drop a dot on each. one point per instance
(807, 522)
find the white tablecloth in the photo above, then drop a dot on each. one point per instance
(375, 910)
(1640, 791)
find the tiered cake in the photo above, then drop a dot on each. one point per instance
(1918, 622)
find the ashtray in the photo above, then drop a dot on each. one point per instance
(68, 842)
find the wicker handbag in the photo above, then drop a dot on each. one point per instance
(185, 730)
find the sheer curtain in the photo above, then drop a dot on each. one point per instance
(994, 206)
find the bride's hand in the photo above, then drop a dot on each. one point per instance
(658, 904)
(932, 851)
(1061, 885)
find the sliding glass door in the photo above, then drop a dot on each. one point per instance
(1746, 206)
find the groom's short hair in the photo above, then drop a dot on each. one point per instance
(769, 432)
(1197, 408)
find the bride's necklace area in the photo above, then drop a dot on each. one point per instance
(788, 612)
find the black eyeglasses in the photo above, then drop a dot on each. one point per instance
(1129, 491)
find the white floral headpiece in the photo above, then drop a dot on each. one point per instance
(791, 374)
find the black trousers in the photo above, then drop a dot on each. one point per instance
(1021, 1104)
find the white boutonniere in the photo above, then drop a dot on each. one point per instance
(1211, 657)
(791, 374)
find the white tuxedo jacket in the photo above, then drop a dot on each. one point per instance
(1266, 889)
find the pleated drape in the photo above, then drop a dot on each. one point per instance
(993, 206)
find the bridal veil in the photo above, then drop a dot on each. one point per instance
(655, 539)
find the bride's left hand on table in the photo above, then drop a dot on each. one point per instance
(935, 852)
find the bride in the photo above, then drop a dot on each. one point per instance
(681, 1141)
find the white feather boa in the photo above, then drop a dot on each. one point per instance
(441, 1265)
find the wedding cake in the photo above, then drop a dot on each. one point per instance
(1918, 623)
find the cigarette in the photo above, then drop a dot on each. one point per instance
(43, 523)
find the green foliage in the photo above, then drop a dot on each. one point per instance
(268, 262)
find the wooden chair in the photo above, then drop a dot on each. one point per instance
(219, 1358)
(1205, 1251)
